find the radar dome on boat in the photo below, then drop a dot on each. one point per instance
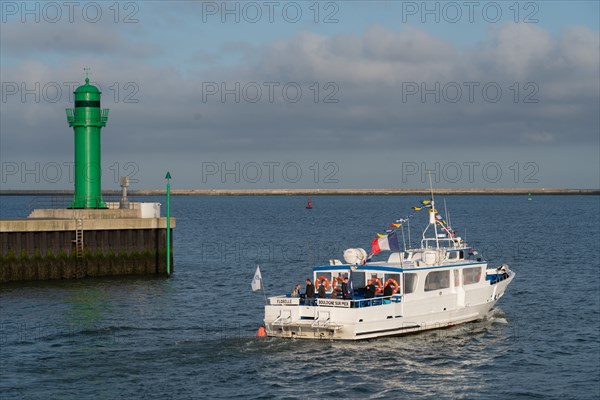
(355, 256)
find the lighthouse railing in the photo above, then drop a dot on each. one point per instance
(65, 200)
(104, 115)
(70, 116)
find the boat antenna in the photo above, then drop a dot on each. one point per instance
(448, 226)
(446, 212)
(432, 213)
(401, 256)
(409, 242)
(403, 239)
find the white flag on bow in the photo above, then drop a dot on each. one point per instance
(257, 280)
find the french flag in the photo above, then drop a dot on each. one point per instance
(387, 242)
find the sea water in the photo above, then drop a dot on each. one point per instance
(193, 335)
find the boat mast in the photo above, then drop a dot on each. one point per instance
(432, 213)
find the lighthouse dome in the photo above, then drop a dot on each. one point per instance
(87, 92)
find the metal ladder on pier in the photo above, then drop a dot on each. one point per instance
(79, 238)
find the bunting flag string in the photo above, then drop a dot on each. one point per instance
(447, 229)
(389, 238)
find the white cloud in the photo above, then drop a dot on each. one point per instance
(517, 50)
(368, 68)
(34, 40)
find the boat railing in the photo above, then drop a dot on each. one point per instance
(334, 302)
(452, 243)
(376, 301)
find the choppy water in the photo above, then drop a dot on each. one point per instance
(192, 336)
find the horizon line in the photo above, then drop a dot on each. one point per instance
(316, 192)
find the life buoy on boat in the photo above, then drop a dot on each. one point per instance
(334, 282)
(322, 278)
(379, 287)
(396, 287)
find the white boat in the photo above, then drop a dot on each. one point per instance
(442, 283)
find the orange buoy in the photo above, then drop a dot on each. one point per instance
(379, 286)
(396, 286)
(261, 331)
(322, 278)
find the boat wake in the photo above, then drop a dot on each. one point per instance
(497, 316)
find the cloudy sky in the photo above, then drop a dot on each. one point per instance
(346, 94)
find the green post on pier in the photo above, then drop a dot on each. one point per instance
(168, 178)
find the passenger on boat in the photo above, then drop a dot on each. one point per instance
(388, 291)
(345, 288)
(296, 291)
(370, 291)
(310, 293)
(321, 291)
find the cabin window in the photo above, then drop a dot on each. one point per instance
(338, 284)
(453, 255)
(358, 280)
(375, 276)
(410, 283)
(437, 280)
(461, 254)
(456, 278)
(395, 277)
(323, 275)
(471, 275)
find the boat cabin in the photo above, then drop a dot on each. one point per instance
(413, 273)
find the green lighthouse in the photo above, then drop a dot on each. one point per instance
(87, 118)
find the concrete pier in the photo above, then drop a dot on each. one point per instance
(68, 244)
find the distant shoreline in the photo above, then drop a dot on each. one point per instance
(317, 192)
